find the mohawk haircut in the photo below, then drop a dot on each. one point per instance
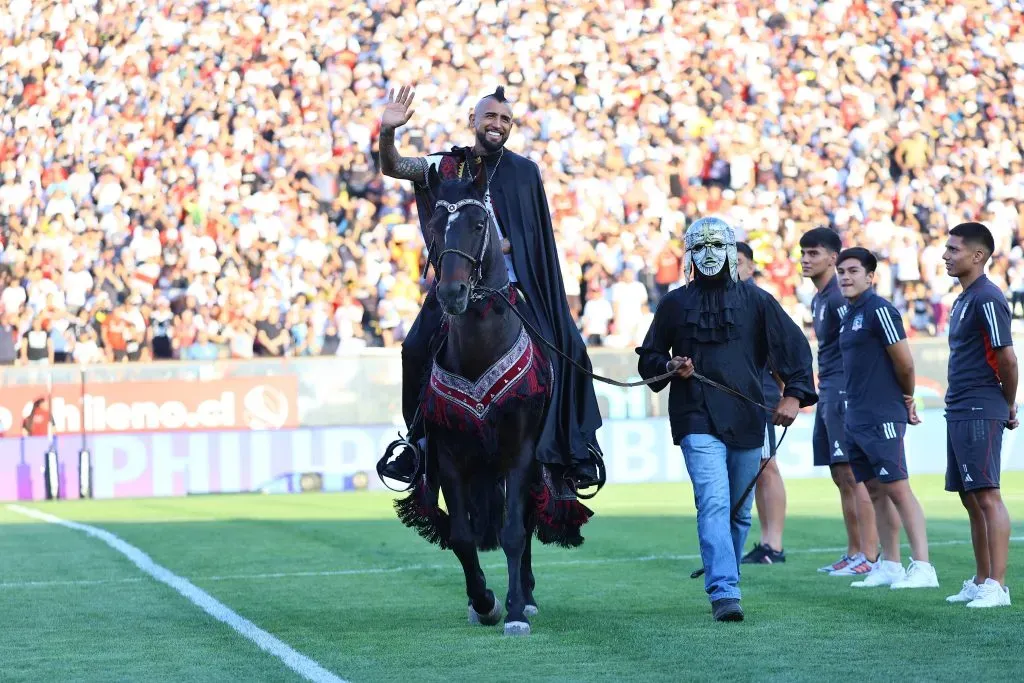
(498, 96)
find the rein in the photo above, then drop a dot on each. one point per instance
(608, 380)
(696, 375)
(478, 292)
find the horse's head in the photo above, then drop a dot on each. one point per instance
(465, 245)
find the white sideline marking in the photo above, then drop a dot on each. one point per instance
(297, 662)
(427, 567)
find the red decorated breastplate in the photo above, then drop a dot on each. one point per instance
(454, 402)
(478, 397)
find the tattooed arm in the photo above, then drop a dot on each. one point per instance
(394, 165)
(396, 114)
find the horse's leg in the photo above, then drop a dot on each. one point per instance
(514, 539)
(527, 567)
(484, 607)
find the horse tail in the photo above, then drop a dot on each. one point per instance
(486, 510)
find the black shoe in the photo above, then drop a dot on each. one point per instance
(755, 555)
(727, 609)
(764, 554)
(402, 468)
(590, 472)
(405, 466)
(586, 474)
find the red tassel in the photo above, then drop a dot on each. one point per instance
(559, 521)
(541, 500)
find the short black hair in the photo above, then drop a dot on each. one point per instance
(822, 237)
(860, 254)
(976, 234)
(744, 248)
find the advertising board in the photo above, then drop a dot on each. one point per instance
(173, 405)
(181, 463)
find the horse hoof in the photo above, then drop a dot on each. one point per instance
(531, 610)
(517, 628)
(489, 619)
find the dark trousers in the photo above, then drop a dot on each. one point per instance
(1017, 299)
(417, 354)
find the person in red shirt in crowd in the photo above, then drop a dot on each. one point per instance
(669, 267)
(780, 271)
(40, 420)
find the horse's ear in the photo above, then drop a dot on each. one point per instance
(433, 179)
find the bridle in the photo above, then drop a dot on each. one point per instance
(476, 262)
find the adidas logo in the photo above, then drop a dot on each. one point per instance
(967, 478)
(838, 452)
(883, 472)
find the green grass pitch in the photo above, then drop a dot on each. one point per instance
(338, 579)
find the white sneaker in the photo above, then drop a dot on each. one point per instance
(841, 563)
(856, 567)
(919, 575)
(884, 573)
(966, 594)
(991, 594)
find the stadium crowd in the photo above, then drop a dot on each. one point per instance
(195, 180)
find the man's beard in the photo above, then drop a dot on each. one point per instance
(490, 146)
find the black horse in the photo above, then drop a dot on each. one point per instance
(483, 408)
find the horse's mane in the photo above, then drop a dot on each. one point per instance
(465, 156)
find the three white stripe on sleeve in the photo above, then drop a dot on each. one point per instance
(892, 335)
(989, 308)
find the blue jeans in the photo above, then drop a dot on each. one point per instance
(720, 475)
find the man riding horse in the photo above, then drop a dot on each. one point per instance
(567, 445)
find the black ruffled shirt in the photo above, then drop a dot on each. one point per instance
(728, 330)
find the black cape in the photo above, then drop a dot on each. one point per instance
(772, 394)
(517, 193)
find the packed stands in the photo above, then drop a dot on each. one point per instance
(195, 180)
